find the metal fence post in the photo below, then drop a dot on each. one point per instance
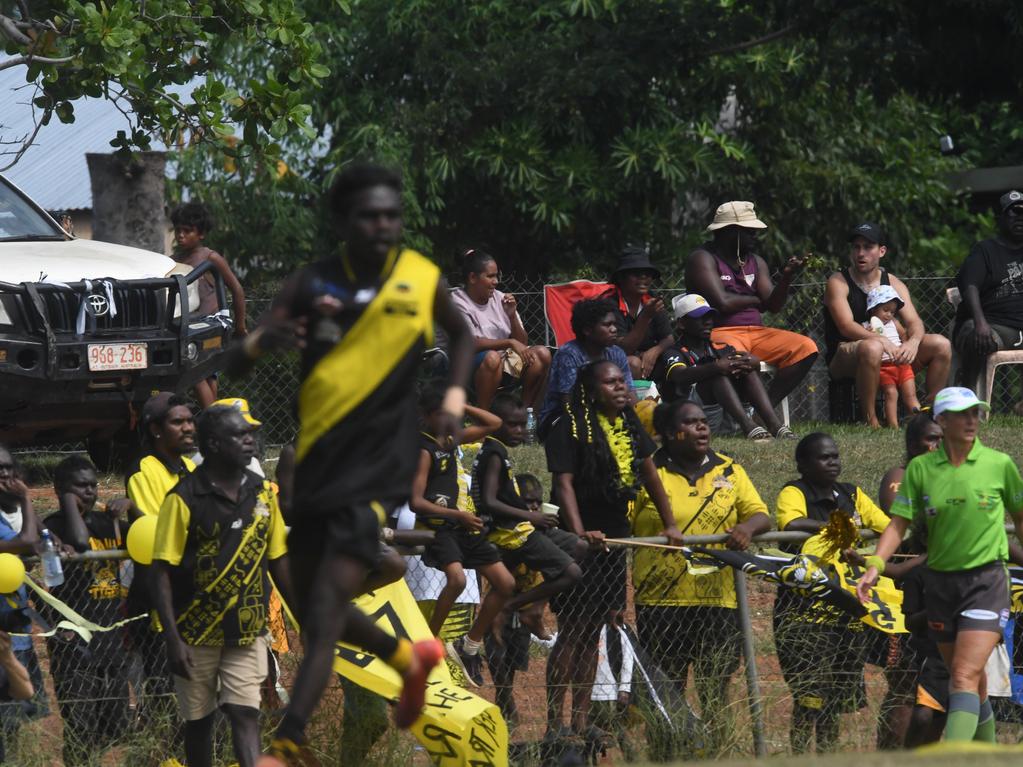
(756, 708)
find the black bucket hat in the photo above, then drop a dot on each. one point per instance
(635, 259)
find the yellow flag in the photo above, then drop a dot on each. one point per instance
(457, 727)
(884, 610)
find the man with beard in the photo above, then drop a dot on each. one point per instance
(856, 351)
(737, 283)
(990, 317)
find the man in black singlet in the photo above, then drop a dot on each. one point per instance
(990, 317)
(854, 351)
(362, 318)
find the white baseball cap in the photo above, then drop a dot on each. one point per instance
(955, 399)
(690, 305)
(882, 294)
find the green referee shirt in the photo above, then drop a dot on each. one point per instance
(963, 506)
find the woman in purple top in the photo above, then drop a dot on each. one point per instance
(737, 283)
(595, 324)
(502, 346)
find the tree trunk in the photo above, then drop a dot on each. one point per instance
(127, 199)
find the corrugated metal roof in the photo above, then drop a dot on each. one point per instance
(53, 171)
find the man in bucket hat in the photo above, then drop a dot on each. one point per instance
(644, 330)
(990, 317)
(737, 283)
(853, 350)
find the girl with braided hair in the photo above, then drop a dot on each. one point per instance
(599, 455)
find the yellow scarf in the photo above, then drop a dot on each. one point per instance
(620, 442)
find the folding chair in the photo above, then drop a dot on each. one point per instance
(985, 383)
(557, 305)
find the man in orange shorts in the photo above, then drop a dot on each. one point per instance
(737, 283)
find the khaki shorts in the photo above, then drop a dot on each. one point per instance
(230, 674)
(843, 363)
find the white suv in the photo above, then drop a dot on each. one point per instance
(89, 330)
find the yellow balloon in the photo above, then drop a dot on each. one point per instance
(142, 539)
(12, 573)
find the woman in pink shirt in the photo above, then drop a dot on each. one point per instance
(502, 346)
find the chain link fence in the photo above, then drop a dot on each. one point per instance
(749, 668)
(272, 386)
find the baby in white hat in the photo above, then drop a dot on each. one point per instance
(883, 305)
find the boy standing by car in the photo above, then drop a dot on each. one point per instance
(192, 222)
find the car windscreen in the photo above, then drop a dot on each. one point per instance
(20, 221)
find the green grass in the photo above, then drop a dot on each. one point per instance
(866, 455)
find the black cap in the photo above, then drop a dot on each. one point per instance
(1009, 199)
(868, 231)
(635, 258)
(156, 407)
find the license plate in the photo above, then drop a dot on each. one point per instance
(117, 357)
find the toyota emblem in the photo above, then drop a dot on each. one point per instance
(96, 305)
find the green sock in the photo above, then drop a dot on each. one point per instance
(963, 711)
(985, 723)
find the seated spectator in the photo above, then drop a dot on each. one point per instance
(221, 520)
(502, 346)
(897, 379)
(853, 349)
(990, 316)
(89, 678)
(644, 330)
(595, 326)
(523, 537)
(821, 649)
(716, 373)
(737, 283)
(685, 620)
(458, 543)
(19, 534)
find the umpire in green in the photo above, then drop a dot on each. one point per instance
(961, 492)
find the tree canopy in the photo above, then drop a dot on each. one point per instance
(158, 60)
(556, 131)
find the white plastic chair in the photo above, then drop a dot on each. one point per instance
(766, 368)
(985, 383)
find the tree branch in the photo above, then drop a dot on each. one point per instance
(11, 32)
(26, 60)
(768, 38)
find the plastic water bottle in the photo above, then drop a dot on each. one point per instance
(53, 572)
(530, 427)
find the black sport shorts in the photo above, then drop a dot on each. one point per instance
(351, 531)
(548, 552)
(601, 589)
(932, 684)
(470, 550)
(706, 637)
(961, 600)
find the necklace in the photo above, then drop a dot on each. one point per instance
(866, 287)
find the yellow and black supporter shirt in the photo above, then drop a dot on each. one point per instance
(441, 482)
(358, 421)
(800, 500)
(220, 550)
(504, 531)
(150, 479)
(720, 496)
(93, 589)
